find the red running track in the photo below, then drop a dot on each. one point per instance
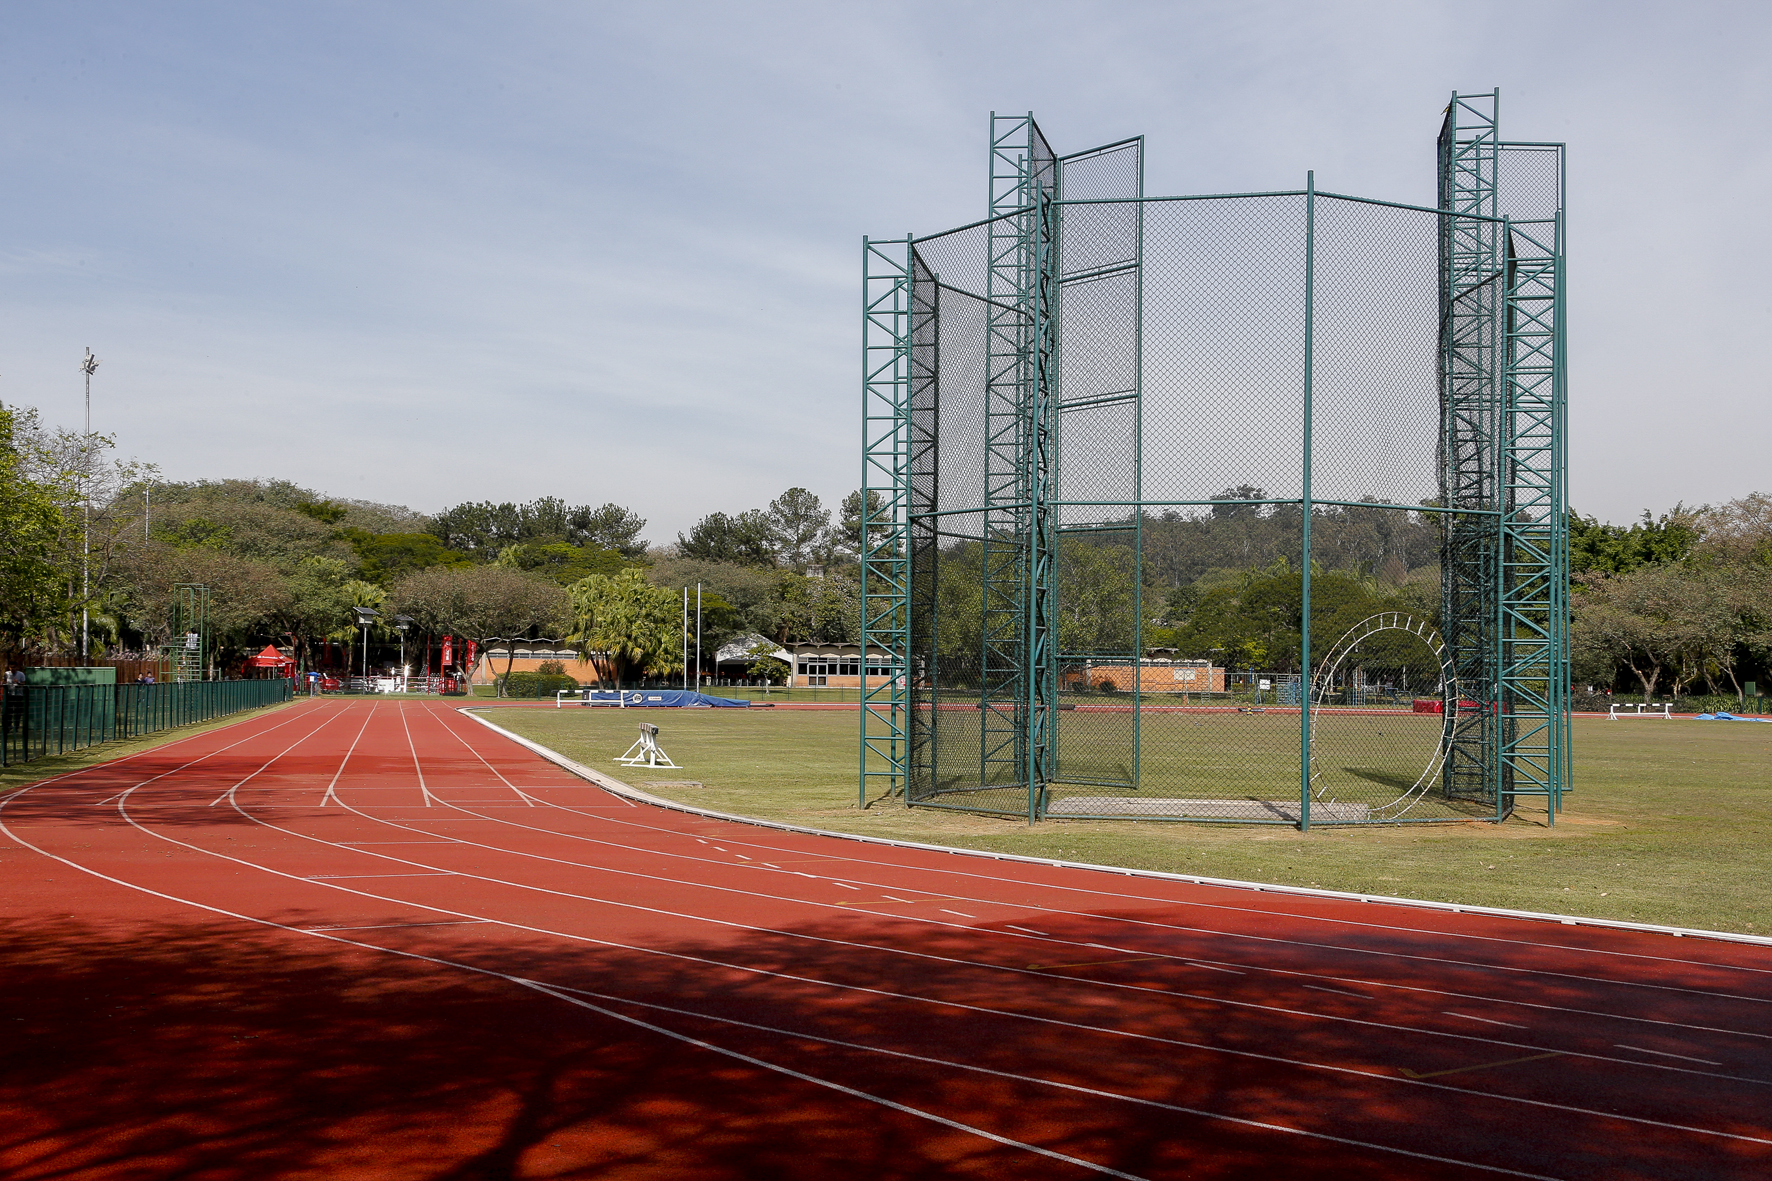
(348, 939)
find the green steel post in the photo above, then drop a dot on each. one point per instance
(885, 552)
(1471, 442)
(1304, 658)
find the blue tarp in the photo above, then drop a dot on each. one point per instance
(659, 699)
(1720, 716)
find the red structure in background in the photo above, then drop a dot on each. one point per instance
(277, 664)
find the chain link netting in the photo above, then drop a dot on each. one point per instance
(1177, 465)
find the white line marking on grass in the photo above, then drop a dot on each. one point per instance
(1665, 1054)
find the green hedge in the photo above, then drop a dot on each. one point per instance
(536, 685)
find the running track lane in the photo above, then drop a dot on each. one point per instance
(379, 940)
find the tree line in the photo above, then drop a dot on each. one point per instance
(1666, 605)
(289, 566)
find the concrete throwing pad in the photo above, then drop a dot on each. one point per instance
(1245, 809)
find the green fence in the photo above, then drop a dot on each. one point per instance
(41, 720)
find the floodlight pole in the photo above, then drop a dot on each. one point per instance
(87, 367)
(698, 637)
(685, 639)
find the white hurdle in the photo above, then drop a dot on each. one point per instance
(1642, 711)
(646, 752)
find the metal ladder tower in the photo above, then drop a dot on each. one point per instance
(1533, 658)
(1470, 443)
(885, 512)
(1015, 684)
(1503, 459)
(189, 651)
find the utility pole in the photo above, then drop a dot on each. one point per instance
(685, 639)
(698, 637)
(88, 366)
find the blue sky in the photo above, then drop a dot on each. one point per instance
(423, 253)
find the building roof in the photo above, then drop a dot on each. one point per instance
(739, 648)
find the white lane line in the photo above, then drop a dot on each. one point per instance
(423, 787)
(955, 912)
(1665, 1054)
(331, 788)
(1369, 1074)
(1030, 931)
(847, 886)
(558, 991)
(1011, 926)
(342, 876)
(387, 926)
(442, 719)
(561, 994)
(1338, 991)
(1213, 967)
(898, 951)
(1484, 1020)
(355, 844)
(1255, 911)
(522, 795)
(1259, 912)
(294, 717)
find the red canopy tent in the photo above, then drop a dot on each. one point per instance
(271, 658)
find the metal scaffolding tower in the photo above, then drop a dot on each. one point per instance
(1009, 479)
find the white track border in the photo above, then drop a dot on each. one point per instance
(611, 784)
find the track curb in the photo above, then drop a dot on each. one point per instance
(615, 786)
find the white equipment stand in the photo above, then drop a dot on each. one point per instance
(646, 752)
(1641, 711)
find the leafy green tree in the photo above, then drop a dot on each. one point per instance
(485, 529)
(746, 539)
(765, 665)
(610, 527)
(636, 626)
(387, 557)
(1614, 549)
(481, 603)
(798, 523)
(318, 604)
(33, 591)
(564, 564)
(847, 538)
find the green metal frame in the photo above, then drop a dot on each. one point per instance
(885, 528)
(1470, 444)
(1502, 478)
(1533, 661)
(193, 616)
(1023, 177)
(1504, 465)
(1068, 278)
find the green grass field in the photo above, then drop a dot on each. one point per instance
(1671, 822)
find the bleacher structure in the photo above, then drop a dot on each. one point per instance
(1094, 409)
